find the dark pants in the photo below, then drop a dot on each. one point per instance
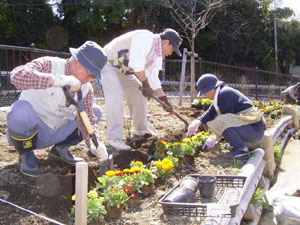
(237, 136)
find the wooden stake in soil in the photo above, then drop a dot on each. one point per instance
(183, 65)
(81, 187)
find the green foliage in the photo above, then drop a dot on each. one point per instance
(115, 196)
(277, 152)
(257, 196)
(22, 24)
(95, 207)
(240, 33)
(164, 168)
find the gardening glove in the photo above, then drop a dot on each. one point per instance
(167, 106)
(193, 127)
(63, 80)
(146, 89)
(100, 152)
(210, 142)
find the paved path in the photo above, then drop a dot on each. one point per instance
(290, 164)
(289, 174)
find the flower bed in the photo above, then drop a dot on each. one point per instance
(115, 188)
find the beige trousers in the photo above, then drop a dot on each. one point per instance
(115, 86)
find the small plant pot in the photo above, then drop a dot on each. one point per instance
(206, 186)
(114, 212)
(134, 202)
(147, 190)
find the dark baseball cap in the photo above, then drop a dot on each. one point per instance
(174, 38)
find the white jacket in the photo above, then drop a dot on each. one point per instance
(50, 103)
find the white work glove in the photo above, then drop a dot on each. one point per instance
(100, 152)
(63, 80)
(193, 127)
(298, 110)
(210, 142)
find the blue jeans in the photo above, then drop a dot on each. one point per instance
(237, 136)
(22, 118)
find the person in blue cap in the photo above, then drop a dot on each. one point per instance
(232, 116)
(42, 116)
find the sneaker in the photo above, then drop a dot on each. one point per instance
(28, 165)
(227, 146)
(239, 154)
(143, 133)
(118, 144)
(64, 155)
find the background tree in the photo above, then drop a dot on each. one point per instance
(192, 16)
(239, 32)
(22, 24)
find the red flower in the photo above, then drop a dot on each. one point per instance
(132, 195)
(127, 189)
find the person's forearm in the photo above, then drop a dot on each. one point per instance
(36, 74)
(159, 92)
(141, 75)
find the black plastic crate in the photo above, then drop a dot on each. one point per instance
(227, 197)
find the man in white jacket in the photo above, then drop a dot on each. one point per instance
(43, 116)
(134, 61)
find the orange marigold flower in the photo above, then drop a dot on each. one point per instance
(160, 150)
(167, 166)
(162, 142)
(119, 173)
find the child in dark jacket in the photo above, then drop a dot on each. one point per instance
(232, 115)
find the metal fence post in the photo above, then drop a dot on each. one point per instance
(31, 51)
(256, 85)
(183, 66)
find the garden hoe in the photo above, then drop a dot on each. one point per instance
(176, 114)
(107, 164)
